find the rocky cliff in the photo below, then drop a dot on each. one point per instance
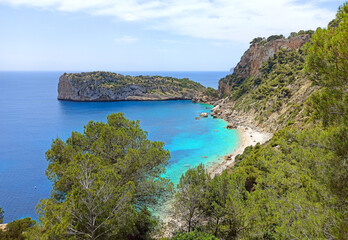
(107, 86)
(259, 52)
(268, 87)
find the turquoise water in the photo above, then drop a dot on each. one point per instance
(31, 116)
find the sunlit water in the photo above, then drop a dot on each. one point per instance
(31, 116)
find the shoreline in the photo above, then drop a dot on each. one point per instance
(247, 137)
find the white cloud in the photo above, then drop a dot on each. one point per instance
(126, 39)
(239, 20)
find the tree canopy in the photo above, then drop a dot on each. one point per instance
(295, 185)
(327, 66)
(104, 180)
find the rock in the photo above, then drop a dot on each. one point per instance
(217, 107)
(231, 126)
(204, 156)
(107, 86)
(197, 118)
(254, 57)
(203, 114)
(202, 98)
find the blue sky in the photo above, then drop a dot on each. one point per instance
(145, 35)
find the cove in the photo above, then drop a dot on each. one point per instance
(31, 116)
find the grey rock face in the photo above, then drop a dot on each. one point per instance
(104, 86)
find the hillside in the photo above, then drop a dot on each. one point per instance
(268, 86)
(295, 185)
(107, 86)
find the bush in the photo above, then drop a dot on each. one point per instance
(195, 235)
(15, 229)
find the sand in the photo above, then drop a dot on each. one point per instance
(248, 137)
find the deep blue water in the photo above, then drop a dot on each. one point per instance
(31, 116)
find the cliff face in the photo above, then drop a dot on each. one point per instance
(106, 86)
(254, 57)
(268, 88)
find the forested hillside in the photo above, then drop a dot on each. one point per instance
(295, 185)
(109, 180)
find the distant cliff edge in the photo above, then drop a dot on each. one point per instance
(107, 86)
(259, 52)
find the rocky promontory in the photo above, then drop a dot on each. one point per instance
(268, 88)
(108, 86)
(259, 52)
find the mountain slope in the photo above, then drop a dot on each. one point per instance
(268, 88)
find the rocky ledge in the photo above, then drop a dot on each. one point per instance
(107, 86)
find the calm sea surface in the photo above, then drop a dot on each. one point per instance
(31, 116)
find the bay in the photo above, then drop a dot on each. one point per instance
(31, 116)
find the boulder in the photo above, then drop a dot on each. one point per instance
(203, 114)
(231, 126)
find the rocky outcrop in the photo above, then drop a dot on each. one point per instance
(203, 98)
(266, 97)
(106, 86)
(254, 57)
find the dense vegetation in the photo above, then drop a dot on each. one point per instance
(211, 92)
(17, 230)
(263, 41)
(274, 88)
(105, 182)
(294, 186)
(157, 84)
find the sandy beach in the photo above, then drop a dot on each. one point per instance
(248, 137)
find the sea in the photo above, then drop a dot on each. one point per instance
(31, 117)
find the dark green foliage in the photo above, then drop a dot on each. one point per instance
(294, 186)
(145, 224)
(275, 37)
(211, 92)
(103, 182)
(194, 236)
(293, 34)
(189, 195)
(15, 229)
(271, 88)
(257, 40)
(327, 66)
(330, 105)
(1, 215)
(154, 84)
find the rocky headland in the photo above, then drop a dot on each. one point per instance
(265, 93)
(268, 87)
(107, 86)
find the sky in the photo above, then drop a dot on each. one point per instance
(145, 35)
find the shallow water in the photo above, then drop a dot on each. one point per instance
(31, 116)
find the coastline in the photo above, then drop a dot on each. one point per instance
(247, 137)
